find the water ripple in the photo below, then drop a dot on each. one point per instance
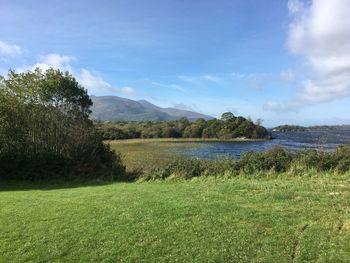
(327, 140)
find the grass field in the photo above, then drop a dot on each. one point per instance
(203, 220)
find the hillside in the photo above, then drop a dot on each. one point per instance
(113, 108)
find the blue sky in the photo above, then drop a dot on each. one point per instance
(261, 59)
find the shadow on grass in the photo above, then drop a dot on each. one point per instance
(12, 185)
(23, 185)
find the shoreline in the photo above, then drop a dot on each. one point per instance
(140, 140)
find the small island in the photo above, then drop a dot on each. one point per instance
(229, 127)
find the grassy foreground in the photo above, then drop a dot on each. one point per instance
(202, 220)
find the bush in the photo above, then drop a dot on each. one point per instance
(275, 160)
(104, 164)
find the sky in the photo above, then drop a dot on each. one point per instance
(284, 61)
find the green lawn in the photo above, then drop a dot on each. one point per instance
(203, 220)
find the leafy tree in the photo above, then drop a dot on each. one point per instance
(170, 132)
(227, 116)
(44, 119)
(193, 131)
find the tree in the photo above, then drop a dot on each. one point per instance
(44, 118)
(170, 132)
(259, 122)
(227, 116)
(193, 131)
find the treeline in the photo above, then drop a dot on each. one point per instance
(228, 127)
(274, 161)
(290, 128)
(45, 131)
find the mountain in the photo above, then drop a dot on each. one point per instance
(113, 108)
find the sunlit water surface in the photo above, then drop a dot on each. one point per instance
(327, 140)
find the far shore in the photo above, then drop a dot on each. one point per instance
(139, 140)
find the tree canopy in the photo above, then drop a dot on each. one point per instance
(228, 127)
(44, 118)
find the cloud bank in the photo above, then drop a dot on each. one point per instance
(320, 32)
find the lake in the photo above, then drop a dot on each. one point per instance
(327, 140)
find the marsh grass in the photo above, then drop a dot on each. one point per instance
(162, 159)
(146, 154)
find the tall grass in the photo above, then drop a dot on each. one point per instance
(274, 161)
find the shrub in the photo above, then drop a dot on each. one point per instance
(275, 160)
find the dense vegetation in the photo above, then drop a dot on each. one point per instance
(228, 127)
(45, 130)
(274, 161)
(277, 160)
(289, 128)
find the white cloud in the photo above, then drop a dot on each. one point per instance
(8, 50)
(200, 79)
(320, 32)
(95, 84)
(52, 60)
(55, 61)
(287, 75)
(236, 75)
(211, 78)
(127, 90)
(295, 6)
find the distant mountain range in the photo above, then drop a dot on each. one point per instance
(113, 108)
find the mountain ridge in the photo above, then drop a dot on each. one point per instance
(114, 108)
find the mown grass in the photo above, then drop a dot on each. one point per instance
(199, 220)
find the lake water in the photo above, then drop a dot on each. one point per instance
(327, 140)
